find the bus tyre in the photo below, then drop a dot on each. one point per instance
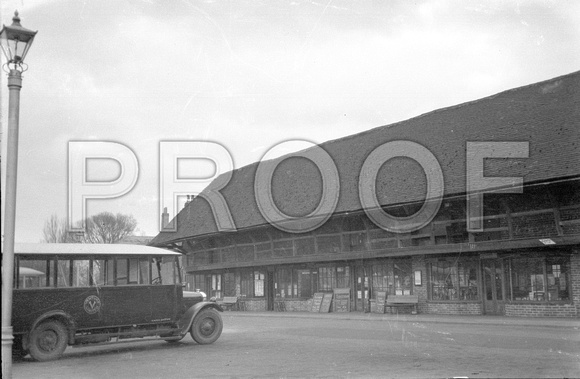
(48, 341)
(207, 327)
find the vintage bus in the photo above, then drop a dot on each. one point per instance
(74, 294)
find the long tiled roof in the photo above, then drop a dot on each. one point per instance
(544, 114)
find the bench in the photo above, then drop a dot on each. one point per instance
(229, 303)
(403, 301)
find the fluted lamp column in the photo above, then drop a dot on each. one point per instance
(15, 42)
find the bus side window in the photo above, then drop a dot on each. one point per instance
(110, 272)
(122, 271)
(99, 271)
(80, 273)
(33, 273)
(144, 268)
(63, 273)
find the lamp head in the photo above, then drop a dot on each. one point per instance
(15, 42)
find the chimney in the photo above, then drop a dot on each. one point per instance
(164, 218)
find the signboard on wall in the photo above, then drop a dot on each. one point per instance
(326, 301)
(317, 302)
(342, 299)
(380, 301)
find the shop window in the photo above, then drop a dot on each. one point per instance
(381, 279)
(247, 283)
(540, 279)
(188, 280)
(467, 275)
(403, 275)
(558, 279)
(229, 284)
(200, 284)
(259, 277)
(443, 281)
(527, 279)
(453, 280)
(285, 283)
(216, 286)
(343, 277)
(326, 278)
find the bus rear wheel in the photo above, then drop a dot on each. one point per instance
(48, 341)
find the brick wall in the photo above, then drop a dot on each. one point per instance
(541, 310)
(451, 308)
(297, 305)
(255, 305)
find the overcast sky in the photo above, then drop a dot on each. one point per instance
(251, 74)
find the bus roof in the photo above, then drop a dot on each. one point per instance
(89, 249)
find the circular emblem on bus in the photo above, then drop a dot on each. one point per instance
(92, 304)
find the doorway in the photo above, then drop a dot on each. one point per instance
(493, 287)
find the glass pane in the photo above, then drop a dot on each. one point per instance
(110, 272)
(380, 279)
(32, 273)
(133, 271)
(343, 277)
(558, 274)
(283, 283)
(528, 279)
(166, 269)
(247, 286)
(99, 272)
(402, 272)
(144, 271)
(258, 283)
(63, 273)
(81, 273)
(122, 272)
(467, 272)
(444, 281)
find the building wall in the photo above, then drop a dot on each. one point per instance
(458, 308)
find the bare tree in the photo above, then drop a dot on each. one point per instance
(104, 227)
(55, 231)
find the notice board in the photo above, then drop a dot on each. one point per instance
(342, 299)
(380, 302)
(326, 301)
(317, 302)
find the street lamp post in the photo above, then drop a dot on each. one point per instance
(15, 42)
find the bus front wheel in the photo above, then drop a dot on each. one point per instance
(48, 341)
